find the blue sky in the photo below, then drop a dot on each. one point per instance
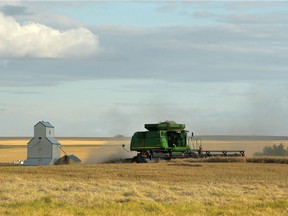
(107, 68)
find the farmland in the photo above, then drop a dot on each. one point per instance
(176, 187)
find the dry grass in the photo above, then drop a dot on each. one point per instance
(167, 188)
(13, 141)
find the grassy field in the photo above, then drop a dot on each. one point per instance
(178, 187)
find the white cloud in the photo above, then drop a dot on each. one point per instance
(40, 41)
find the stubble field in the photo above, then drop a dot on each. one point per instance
(176, 187)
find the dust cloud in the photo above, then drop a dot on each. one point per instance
(109, 154)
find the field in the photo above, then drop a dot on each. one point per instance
(177, 187)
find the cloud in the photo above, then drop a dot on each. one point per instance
(170, 7)
(247, 13)
(254, 5)
(178, 54)
(255, 19)
(14, 10)
(34, 40)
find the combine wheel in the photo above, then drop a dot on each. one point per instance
(139, 159)
(194, 155)
(169, 155)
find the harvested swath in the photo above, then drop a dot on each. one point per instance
(212, 160)
(275, 159)
(278, 160)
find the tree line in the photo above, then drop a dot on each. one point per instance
(275, 150)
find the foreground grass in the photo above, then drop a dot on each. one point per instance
(174, 188)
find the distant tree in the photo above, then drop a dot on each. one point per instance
(257, 154)
(119, 136)
(275, 150)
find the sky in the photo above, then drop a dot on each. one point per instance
(104, 68)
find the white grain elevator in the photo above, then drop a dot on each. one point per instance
(43, 148)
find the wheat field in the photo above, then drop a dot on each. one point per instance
(177, 187)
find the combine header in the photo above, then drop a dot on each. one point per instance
(168, 140)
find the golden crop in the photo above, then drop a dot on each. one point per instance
(178, 187)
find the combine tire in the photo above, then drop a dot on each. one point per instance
(139, 159)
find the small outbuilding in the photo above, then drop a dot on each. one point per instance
(68, 159)
(43, 148)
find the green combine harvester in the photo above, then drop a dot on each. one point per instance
(167, 140)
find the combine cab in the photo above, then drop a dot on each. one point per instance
(168, 140)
